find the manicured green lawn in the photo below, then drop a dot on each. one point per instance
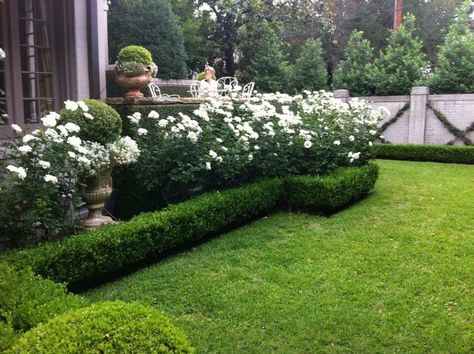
(392, 273)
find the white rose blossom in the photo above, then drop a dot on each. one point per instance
(142, 131)
(16, 128)
(74, 141)
(27, 138)
(51, 179)
(71, 105)
(153, 114)
(135, 118)
(50, 120)
(24, 149)
(20, 171)
(88, 116)
(82, 105)
(44, 164)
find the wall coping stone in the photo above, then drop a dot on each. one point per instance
(147, 101)
(420, 90)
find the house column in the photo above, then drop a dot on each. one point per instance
(98, 47)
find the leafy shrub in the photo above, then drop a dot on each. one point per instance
(41, 173)
(27, 300)
(455, 68)
(112, 249)
(135, 53)
(8, 336)
(104, 127)
(38, 186)
(353, 72)
(226, 143)
(148, 23)
(402, 64)
(110, 327)
(133, 190)
(435, 153)
(310, 68)
(323, 194)
(267, 67)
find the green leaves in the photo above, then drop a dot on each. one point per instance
(455, 70)
(92, 256)
(353, 73)
(401, 65)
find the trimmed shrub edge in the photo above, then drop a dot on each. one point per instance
(88, 257)
(433, 153)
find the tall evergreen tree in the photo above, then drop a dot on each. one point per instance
(268, 67)
(455, 70)
(401, 65)
(310, 71)
(152, 24)
(353, 71)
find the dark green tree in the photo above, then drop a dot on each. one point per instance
(198, 29)
(310, 71)
(402, 64)
(152, 24)
(268, 67)
(353, 71)
(455, 70)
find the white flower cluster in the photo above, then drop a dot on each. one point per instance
(88, 157)
(92, 158)
(275, 124)
(124, 151)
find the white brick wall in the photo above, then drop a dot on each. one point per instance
(458, 108)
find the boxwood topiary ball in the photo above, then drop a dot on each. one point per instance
(135, 53)
(108, 327)
(104, 127)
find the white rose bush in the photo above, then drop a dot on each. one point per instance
(42, 173)
(228, 142)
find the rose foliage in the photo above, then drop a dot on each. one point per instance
(41, 174)
(229, 142)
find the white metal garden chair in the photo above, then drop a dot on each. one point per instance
(156, 92)
(194, 89)
(247, 90)
(227, 84)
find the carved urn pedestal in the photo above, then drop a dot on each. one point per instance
(97, 191)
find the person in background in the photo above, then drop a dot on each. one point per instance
(208, 86)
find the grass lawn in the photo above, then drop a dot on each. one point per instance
(392, 273)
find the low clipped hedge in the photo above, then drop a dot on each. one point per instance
(109, 327)
(87, 257)
(8, 336)
(327, 195)
(434, 153)
(27, 299)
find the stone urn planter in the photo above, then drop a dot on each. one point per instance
(133, 83)
(96, 193)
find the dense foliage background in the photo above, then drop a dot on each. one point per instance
(267, 41)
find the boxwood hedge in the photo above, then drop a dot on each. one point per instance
(27, 299)
(109, 327)
(88, 257)
(56, 321)
(434, 153)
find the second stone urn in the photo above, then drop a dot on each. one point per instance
(96, 193)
